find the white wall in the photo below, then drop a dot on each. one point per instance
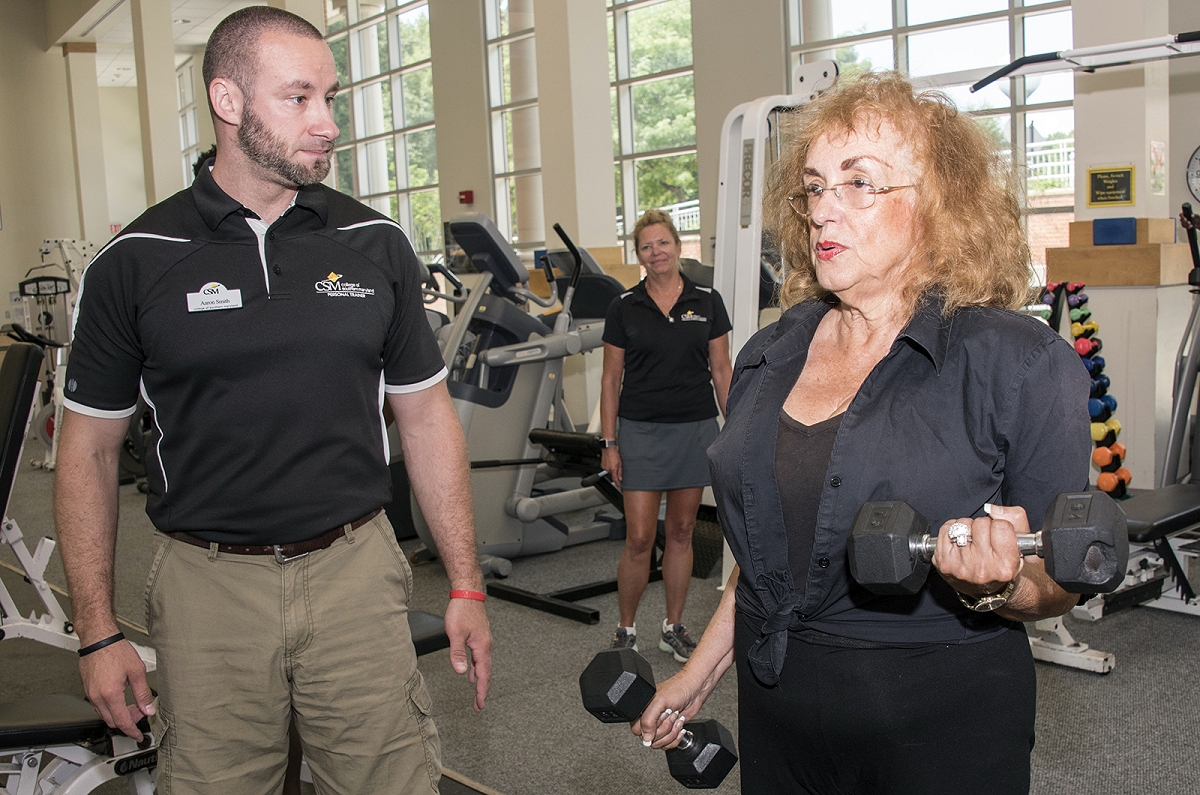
(123, 169)
(737, 57)
(37, 171)
(1185, 105)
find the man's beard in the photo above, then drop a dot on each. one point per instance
(269, 151)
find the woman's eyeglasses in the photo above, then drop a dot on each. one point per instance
(856, 194)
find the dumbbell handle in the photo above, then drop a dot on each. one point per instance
(1027, 543)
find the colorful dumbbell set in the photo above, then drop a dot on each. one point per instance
(1109, 454)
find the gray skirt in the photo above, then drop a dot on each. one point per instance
(662, 456)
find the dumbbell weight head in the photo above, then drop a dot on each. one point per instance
(884, 551)
(617, 685)
(1098, 410)
(1085, 543)
(1106, 458)
(703, 760)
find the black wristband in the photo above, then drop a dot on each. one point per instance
(100, 644)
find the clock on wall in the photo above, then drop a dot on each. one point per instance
(1193, 174)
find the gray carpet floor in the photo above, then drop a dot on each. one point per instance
(1132, 731)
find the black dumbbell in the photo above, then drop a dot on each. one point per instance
(1083, 540)
(617, 686)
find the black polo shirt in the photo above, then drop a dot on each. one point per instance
(667, 375)
(264, 358)
(985, 406)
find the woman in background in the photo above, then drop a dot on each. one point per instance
(666, 346)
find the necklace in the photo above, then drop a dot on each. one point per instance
(669, 298)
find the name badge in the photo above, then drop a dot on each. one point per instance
(213, 296)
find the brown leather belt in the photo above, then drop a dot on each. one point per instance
(282, 552)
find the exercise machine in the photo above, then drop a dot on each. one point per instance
(48, 303)
(505, 380)
(579, 454)
(55, 744)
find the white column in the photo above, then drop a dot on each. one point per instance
(575, 121)
(736, 58)
(311, 10)
(1185, 105)
(1121, 111)
(457, 40)
(154, 55)
(91, 187)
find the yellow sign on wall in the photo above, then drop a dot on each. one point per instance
(1111, 187)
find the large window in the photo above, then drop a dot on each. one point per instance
(654, 115)
(189, 131)
(516, 140)
(386, 154)
(952, 44)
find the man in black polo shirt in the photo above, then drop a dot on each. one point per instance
(266, 319)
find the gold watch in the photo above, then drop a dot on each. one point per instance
(989, 602)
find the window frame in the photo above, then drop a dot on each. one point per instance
(1017, 111)
(396, 202)
(627, 157)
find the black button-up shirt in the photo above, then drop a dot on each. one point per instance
(984, 406)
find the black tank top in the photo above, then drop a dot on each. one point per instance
(802, 454)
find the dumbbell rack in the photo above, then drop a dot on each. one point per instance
(1049, 639)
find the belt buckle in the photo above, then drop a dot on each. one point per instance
(281, 559)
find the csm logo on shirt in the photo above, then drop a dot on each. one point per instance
(332, 286)
(690, 315)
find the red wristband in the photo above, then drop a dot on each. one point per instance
(476, 595)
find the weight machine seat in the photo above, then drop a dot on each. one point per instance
(580, 444)
(49, 720)
(593, 294)
(1161, 512)
(18, 383)
(436, 319)
(489, 251)
(428, 632)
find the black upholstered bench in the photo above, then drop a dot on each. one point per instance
(49, 720)
(1154, 516)
(428, 632)
(1162, 512)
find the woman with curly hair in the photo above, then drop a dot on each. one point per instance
(898, 371)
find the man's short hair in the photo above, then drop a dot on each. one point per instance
(232, 50)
